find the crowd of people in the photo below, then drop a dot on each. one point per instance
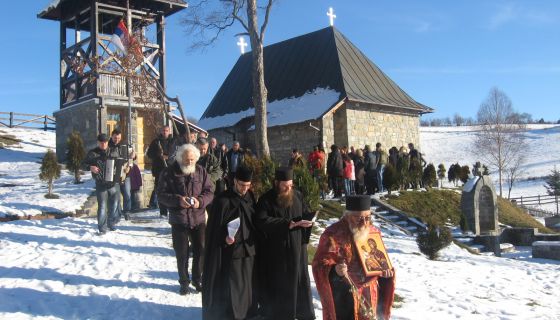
(247, 256)
(351, 171)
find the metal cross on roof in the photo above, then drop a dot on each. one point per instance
(242, 44)
(331, 15)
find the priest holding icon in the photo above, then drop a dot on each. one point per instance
(352, 270)
(227, 287)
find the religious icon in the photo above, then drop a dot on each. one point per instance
(373, 255)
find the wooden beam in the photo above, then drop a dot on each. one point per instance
(161, 42)
(61, 58)
(94, 33)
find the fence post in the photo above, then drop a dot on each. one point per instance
(11, 119)
(539, 197)
(45, 122)
(521, 200)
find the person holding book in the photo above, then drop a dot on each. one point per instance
(353, 273)
(227, 284)
(284, 223)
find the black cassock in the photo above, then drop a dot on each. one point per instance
(227, 279)
(284, 289)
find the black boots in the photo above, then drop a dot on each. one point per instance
(184, 289)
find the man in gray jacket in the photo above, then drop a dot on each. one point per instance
(185, 189)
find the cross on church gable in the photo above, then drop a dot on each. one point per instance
(242, 44)
(331, 15)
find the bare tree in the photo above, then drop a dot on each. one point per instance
(458, 119)
(513, 172)
(214, 17)
(500, 141)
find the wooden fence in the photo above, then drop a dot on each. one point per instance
(25, 120)
(526, 202)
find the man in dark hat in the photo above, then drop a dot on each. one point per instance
(106, 188)
(338, 267)
(285, 224)
(227, 284)
(160, 151)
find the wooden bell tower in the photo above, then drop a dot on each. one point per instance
(97, 92)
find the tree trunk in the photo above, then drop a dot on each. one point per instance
(259, 89)
(50, 186)
(77, 176)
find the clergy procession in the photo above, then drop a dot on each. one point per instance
(242, 226)
(249, 256)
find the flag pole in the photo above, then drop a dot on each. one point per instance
(128, 84)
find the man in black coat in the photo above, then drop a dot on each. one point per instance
(159, 152)
(234, 158)
(122, 148)
(106, 188)
(335, 170)
(285, 224)
(370, 167)
(227, 284)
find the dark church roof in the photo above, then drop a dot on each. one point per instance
(294, 67)
(63, 9)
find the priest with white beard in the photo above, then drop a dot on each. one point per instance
(186, 189)
(347, 288)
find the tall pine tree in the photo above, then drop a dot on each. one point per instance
(50, 170)
(75, 154)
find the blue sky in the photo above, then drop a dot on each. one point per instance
(445, 54)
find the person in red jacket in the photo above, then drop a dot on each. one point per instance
(349, 175)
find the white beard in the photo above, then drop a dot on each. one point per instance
(360, 233)
(187, 169)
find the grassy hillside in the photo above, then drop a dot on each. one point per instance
(444, 205)
(438, 205)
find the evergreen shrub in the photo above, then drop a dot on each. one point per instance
(75, 154)
(50, 170)
(433, 240)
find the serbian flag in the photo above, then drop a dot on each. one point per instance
(120, 37)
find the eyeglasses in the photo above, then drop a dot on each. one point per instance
(364, 218)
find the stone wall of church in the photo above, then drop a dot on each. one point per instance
(82, 117)
(327, 130)
(341, 121)
(369, 124)
(283, 139)
(351, 125)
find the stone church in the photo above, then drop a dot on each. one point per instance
(321, 90)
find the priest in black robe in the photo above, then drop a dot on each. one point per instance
(227, 282)
(284, 226)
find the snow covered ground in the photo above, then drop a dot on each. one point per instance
(60, 269)
(449, 145)
(21, 191)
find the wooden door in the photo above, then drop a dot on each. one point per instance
(140, 141)
(117, 119)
